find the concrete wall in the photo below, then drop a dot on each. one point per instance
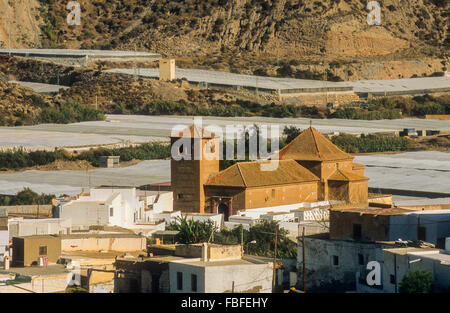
(321, 99)
(398, 265)
(85, 214)
(215, 218)
(26, 250)
(4, 241)
(127, 206)
(214, 252)
(106, 244)
(437, 227)
(254, 278)
(373, 228)
(316, 214)
(27, 227)
(95, 209)
(40, 284)
(30, 210)
(322, 273)
(147, 281)
(187, 270)
(101, 282)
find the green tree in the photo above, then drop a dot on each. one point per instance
(291, 132)
(418, 281)
(263, 234)
(191, 231)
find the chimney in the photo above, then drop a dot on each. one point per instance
(6, 262)
(205, 252)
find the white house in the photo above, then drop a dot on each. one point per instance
(216, 219)
(127, 207)
(112, 206)
(221, 269)
(19, 227)
(399, 262)
(4, 232)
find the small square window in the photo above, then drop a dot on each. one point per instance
(180, 196)
(179, 280)
(422, 233)
(360, 259)
(194, 282)
(43, 250)
(357, 231)
(335, 260)
(392, 279)
(212, 148)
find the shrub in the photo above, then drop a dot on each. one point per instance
(418, 281)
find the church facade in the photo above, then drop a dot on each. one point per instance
(310, 169)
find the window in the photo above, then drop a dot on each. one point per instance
(274, 193)
(335, 260)
(193, 282)
(179, 281)
(360, 259)
(111, 211)
(180, 196)
(212, 147)
(43, 250)
(357, 232)
(392, 279)
(422, 233)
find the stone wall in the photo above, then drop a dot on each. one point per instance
(320, 99)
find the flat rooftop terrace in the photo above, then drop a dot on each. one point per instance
(225, 79)
(31, 271)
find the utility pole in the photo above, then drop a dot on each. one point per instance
(242, 239)
(275, 262)
(303, 256)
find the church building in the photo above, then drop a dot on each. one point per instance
(310, 169)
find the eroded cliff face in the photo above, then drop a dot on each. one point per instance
(20, 23)
(413, 38)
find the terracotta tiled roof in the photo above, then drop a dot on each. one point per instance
(311, 145)
(249, 174)
(358, 166)
(193, 131)
(340, 175)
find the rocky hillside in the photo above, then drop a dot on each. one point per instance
(297, 38)
(18, 105)
(20, 23)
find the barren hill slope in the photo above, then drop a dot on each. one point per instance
(250, 35)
